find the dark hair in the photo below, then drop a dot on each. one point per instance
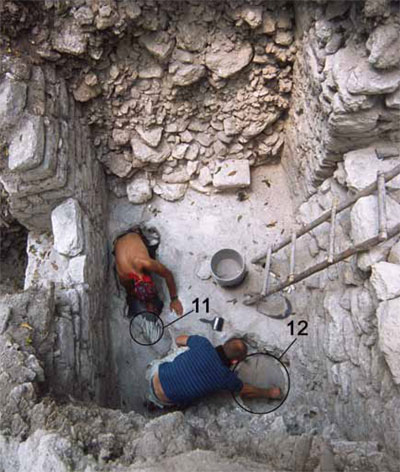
(235, 349)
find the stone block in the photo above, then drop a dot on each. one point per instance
(151, 136)
(393, 100)
(76, 273)
(364, 217)
(388, 315)
(119, 164)
(27, 144)
(66, 222)
(139, 189)
(232, 174)
(385, 279)
(12, 101)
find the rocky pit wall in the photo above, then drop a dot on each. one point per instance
(341, 414)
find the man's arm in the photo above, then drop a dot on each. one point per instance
(249, 391)
(182, 340)
(155, 266)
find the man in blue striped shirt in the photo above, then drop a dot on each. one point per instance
(200, 371)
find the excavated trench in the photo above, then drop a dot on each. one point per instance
(222, 126)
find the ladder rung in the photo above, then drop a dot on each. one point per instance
(292, 257)
(332, 232)
(267, 271)
(382, 206)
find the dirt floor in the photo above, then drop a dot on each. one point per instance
(191, 231)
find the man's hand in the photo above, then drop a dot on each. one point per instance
(176, 306)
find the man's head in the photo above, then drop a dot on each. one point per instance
(235, 350)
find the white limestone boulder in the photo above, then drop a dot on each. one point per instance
(388, 315)
(66, 222)
(76, 272)
(364, 217)
(27, 144)
(385, 279)
(232, 174)
(139, 189)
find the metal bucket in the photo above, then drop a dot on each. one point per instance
(228, 267)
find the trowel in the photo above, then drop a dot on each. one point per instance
(217, 323)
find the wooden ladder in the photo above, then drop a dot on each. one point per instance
(332, 257)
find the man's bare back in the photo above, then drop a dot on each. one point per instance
(133, 261)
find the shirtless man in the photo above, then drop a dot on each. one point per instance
(134, 266)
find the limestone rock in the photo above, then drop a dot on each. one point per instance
(365, 80)
(27, 144)
(394, 255)
(268, 23)
(187, 74)
(231, 127)
(334, 336)
(66, 222)
(178, 176)
(84, 16)
(367, 160)
(151, 136)
(384, 46)
(159, 44)
(205, 177)
(106, 17)
(147, 154)
(232, 174)
(191, 36)
(227, 63)
(119, 164)
(69, 39)
(76, 272)
(192, 168)
(179, 151)
(170, 192)
(139, 189)
(389, 335)
(252, 15)
(192, 152)
(393, 100)
(84, 92)
(5, 313)
(12, 101)
(385, 279)
(121, 136)
(284, 38)
(255, 128)
(364, 217)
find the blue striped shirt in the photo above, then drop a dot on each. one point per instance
(197, 372)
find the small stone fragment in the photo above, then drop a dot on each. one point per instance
(159, 44)
(188, 74)
(205, 177)
(69, 39)
(227, 63)
(151, 136)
